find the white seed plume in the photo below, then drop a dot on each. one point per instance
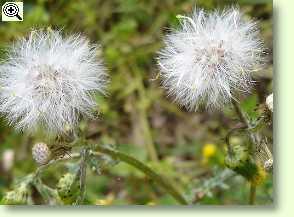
(49, 81)
(210, 58)
(270, 102)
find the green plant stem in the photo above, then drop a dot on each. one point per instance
(240, 113)
(168, 187)
(52, 162)
(245, 121)
(150, 146)
(143, 117)
(252, 195)
(82, 176)
(253, 138)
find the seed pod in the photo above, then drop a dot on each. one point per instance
(241, 162)
(41, 153)
(68, 188)
(239, 154)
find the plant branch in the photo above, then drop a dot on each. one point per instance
(52, 162)
(240, 113)
(168, 187)
(82, 175)
(245, 121)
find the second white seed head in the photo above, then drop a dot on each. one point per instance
(210, 58)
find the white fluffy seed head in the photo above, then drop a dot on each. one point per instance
(49, 81)
(41, 153)
(210, 58)
(270, 102)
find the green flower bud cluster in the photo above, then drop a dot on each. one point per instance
(68, 188)
(239, 160)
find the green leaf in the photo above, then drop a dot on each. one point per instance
(249, 106)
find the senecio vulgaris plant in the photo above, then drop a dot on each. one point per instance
(48, 82)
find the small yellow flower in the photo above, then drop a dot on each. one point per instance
(208, 150)
(107, 201)
(260, 177)
(102, 202)
(151, 203)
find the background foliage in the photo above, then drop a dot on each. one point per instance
(136, 114)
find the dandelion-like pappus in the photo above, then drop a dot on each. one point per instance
(49, 80)
(210, 58)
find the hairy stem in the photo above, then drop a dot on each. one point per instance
(240, 113)
(167, 186)
(253, 138)
(82, 176)
(245, 121)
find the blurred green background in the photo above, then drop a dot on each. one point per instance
(136, 115)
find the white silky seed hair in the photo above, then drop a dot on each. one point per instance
(49, 80)
(270, 102)
(210, 58)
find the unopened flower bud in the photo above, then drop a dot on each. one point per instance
(41, 153)
(242, 163)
